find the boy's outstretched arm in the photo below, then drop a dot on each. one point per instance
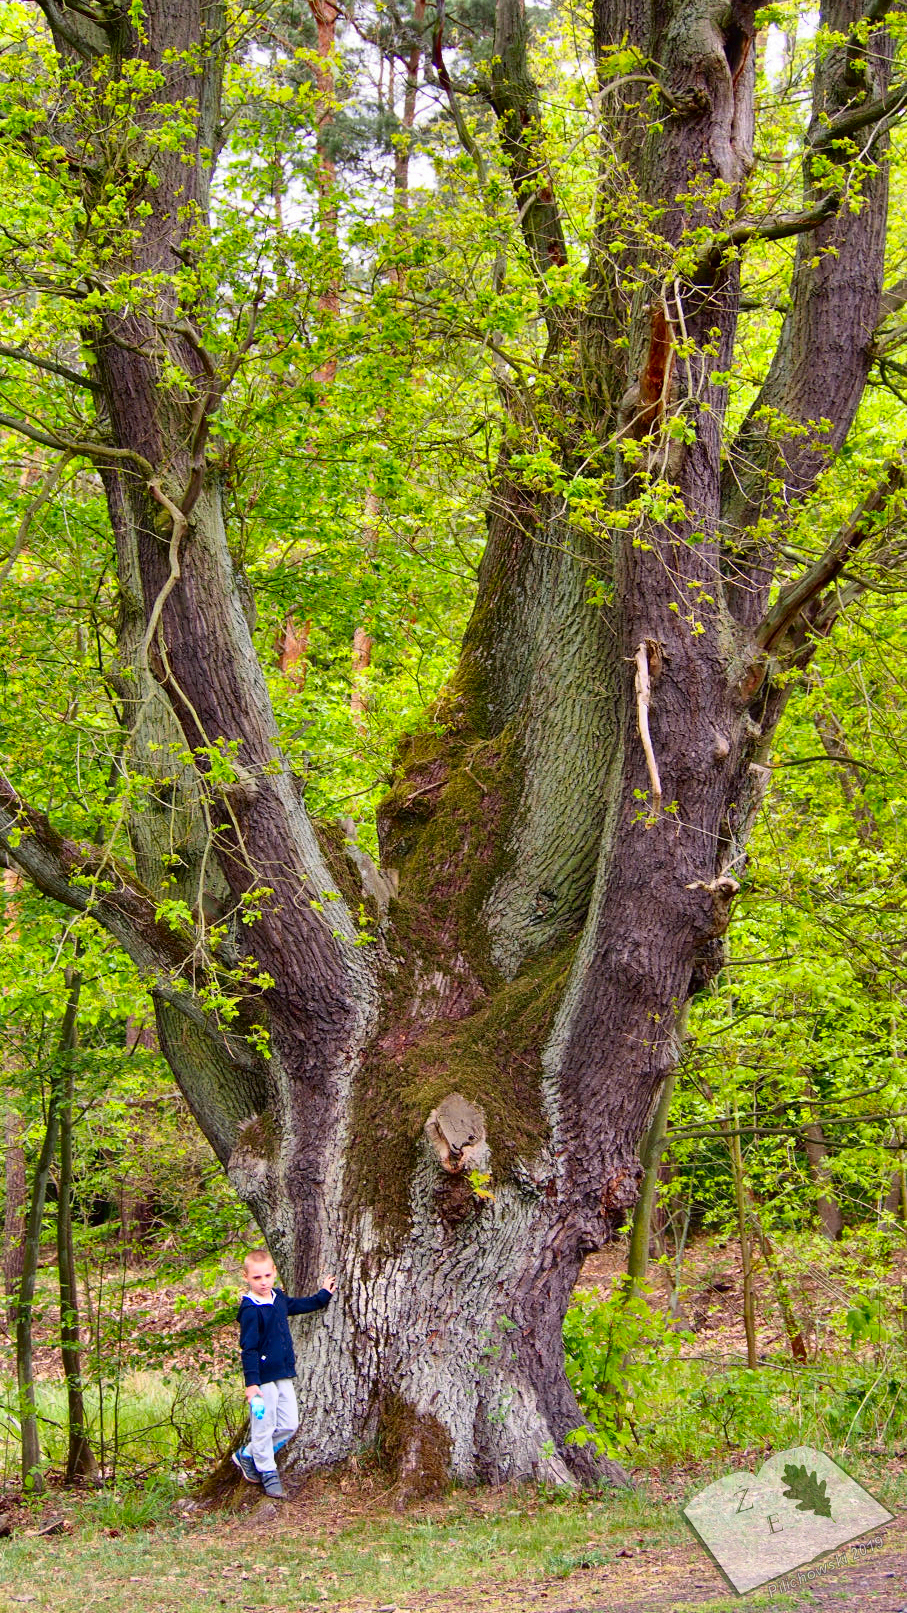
(313, 1302)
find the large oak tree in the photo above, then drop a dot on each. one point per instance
(450, 1114)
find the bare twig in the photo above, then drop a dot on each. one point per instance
(44, 494)
(23, 355)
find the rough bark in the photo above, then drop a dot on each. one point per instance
(450, 1117)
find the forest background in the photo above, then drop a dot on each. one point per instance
(361, 218)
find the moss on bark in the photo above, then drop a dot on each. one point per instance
(445, 828)
(491, 1056)
(415, 1448)
(332, 841)
(259, 1136)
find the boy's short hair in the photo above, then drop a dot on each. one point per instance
(255, 1255)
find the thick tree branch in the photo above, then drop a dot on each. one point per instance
(97, 451)
(779, 228)
(86, 879)
(827, 609)
(856, 118)
(861, 529)
(83, 35)
(783, 225)
(22, 354)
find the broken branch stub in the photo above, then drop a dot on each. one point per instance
(456, 1132)
(648, 660)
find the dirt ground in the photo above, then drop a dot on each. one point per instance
(682, 1579)
(871, 1578)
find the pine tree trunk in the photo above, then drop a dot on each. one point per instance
(403, 144)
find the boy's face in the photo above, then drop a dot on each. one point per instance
(260, 1276)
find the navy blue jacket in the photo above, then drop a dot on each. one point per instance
(264, 1334)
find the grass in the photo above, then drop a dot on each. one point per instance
(127, 1546)
(378, 1560)
(694, 1417)
(472, 1550)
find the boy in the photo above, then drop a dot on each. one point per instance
(269, 1366)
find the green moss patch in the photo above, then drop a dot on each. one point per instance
(446, 828)
(492, 1057)
(258, 1136)
(450, 1023)
(415, 1449)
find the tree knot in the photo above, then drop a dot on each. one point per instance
(456, 1133)
(722, 889)
(250, 1164)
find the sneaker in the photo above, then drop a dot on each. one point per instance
(246, 1467)
(272, 1486)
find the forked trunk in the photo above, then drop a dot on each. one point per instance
(443, 1099)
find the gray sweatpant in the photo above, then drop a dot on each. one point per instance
(279, 1423)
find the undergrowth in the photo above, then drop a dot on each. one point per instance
(656, 1397)
(150, 1426)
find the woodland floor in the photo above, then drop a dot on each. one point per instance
(338, 1543)
(293, 1557)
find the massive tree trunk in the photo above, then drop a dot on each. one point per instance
(450, 1115)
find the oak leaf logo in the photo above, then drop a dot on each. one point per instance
(807, 1490)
